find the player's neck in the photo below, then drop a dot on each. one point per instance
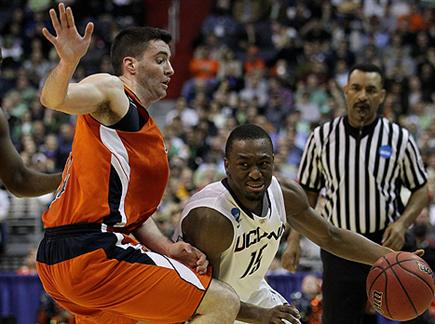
(133, 86)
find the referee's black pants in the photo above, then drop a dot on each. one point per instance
(344, 290)
(344, 294)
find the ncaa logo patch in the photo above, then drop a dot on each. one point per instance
(385, 151)
(236, 214)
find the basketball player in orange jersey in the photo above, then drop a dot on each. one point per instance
(17, 178)
(113, 182)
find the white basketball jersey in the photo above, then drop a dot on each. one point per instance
(256, 238)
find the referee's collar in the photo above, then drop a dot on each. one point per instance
(355, 132)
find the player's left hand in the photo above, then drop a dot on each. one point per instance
(394, 236)
(189, 255)
(281, 314)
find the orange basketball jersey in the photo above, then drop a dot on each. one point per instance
(112, 177)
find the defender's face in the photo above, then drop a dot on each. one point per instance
(154, 70)
(249, 168)
(364, 94)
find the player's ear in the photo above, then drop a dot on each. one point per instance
(226, 166)
(129, 64)
(383, 94)
(345, 89)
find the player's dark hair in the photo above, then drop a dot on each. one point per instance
(133, 41)
(246, 132)
(367, 67)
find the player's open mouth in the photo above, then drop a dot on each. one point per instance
(255, 187)
(165, 84)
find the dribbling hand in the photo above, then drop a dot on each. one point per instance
(69, 44)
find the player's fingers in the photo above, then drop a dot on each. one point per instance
(62, 15)
(48, 35)
(54, 21)
(70, 17)
(288, 318)
(290, 309)
(202, 269)
(88, 31)
(201, 259)
(285, 319)
(419, 252)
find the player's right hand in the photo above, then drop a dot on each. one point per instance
(281, 314)
(189, 255)
(69, 44)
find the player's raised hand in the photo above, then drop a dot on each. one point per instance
(69, 44)
(281, 314)
(189, 255)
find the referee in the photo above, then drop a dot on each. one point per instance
(361, 161)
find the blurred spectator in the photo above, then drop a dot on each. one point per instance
(309, 300)
(202, 66)
(28, 268)
(188, 116)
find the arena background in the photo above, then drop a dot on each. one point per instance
(278, 63)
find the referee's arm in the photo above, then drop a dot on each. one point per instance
(414, 176)
(308, 173)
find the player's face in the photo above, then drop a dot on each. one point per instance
(154, 70)
(364, 94)
(249, 169)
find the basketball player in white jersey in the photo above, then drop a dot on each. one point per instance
(238, 223)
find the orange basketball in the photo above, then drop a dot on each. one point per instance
(400, 286)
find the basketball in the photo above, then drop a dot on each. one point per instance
(400, 286)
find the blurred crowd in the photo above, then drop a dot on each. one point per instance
(277, 63)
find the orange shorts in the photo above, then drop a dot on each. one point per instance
(109, 278)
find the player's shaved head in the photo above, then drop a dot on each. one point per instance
(246, 132)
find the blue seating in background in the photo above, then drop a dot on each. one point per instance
(20, 295)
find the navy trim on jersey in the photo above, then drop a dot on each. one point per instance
(132, 120)
(114, 199)
(67, 242)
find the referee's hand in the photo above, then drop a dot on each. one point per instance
(394, 236)
(290, 257)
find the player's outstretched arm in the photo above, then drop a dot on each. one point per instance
(101, 95)
(213, 233)
(340, 242)
(70, 47)
(18, 179)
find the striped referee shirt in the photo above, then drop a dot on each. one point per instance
(361, 171)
